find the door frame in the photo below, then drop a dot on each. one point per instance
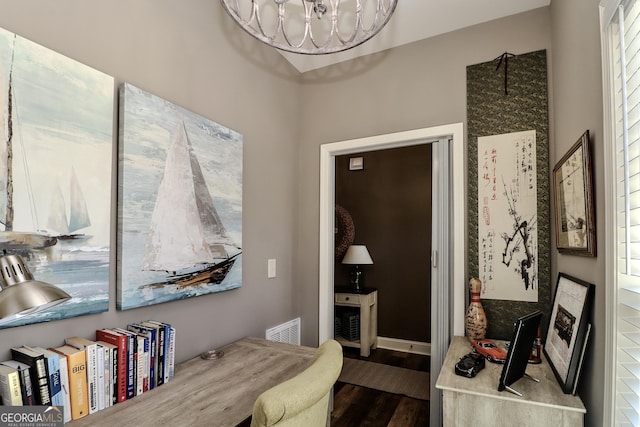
(449, 248)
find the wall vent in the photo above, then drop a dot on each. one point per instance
(288, 332)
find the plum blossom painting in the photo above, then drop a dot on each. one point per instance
(180, 203)
(56, 132)
(508, 220)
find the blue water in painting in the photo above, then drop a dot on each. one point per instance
(144, 295)
(82, 272)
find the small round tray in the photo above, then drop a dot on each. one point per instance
(212, 354)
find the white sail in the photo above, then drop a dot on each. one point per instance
(78, 213)
(179, 238)
(11, 239)
(57, 220)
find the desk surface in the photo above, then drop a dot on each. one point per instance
(210, 392)
(545, 393)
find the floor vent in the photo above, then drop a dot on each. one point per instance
(288, 332)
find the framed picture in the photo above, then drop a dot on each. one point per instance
(56, 127)
(567, 332)
(573, 193)
(179, 203)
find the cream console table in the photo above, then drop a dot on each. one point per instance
(366, 299)
(210, 392)
(477, 401)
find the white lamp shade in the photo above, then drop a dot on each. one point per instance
(21, 294)
(357, 255)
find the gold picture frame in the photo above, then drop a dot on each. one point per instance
(573, 195)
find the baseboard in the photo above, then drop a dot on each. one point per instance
(397, 344)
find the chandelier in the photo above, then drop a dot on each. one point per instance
(311, 27)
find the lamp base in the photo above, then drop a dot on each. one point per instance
(357, 280)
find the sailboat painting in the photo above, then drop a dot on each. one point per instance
(180, 203)
(56, 150)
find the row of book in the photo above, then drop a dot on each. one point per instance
(85, 376)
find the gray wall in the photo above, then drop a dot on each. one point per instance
(577, 106)
(419, 85)
(191, 54)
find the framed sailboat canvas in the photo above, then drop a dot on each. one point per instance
(55, 172)
(180, 203)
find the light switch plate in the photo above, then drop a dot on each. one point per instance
(271, 268)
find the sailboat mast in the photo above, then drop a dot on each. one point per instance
(8, 224)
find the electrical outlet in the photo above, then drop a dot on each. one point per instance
(271, 268)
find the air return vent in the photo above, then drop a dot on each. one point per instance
(288, 332)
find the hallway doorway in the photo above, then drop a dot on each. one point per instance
(447, 260)
(386, 202)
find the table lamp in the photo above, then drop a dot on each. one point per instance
(21, 294)
(357, 255)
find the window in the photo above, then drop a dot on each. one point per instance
(620, 23)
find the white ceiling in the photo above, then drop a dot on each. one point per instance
(420, 19)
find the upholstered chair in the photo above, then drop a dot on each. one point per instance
(304, 399)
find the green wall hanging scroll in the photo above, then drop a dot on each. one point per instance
(509, 215)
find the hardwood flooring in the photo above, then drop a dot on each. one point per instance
(355, 406)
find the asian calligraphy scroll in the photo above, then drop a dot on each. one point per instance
(507, 223)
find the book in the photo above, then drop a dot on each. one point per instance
(120, 341)
(10, 391)
(100, 368)
(158, 365)
(132, 361)
(143, 364)
(172, 353)
(78, 391)
(167, 341)
(37, 369)
(111, 379)
(55, 382)
(150, 333)
(66, 397)
(104, 372)
(26, 387)
(91, 368)
(161, 346)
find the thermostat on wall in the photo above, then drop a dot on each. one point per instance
(356, 163)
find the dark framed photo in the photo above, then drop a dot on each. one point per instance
(573, 194)
(568, 329)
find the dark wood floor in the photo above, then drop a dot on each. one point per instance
(355, 406)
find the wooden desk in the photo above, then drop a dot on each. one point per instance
(367, 301)
(477, 401)
(210, 392)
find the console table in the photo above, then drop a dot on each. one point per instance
(366, 299)
(477, 401)
(210, 392)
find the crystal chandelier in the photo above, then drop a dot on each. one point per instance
(311, 27)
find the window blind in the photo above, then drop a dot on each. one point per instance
(624, 32)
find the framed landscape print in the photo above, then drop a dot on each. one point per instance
(568, 328)
(573, 193)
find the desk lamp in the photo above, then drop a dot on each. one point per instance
(357, 255)
(21, 294)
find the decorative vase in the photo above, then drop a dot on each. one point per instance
(476, 319)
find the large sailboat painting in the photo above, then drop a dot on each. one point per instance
(180, 198)
(56, 120)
